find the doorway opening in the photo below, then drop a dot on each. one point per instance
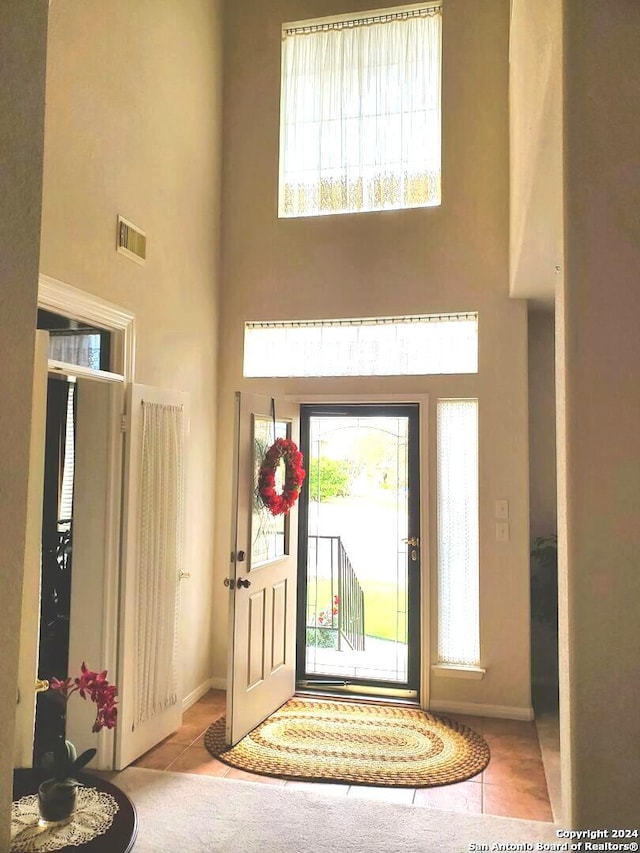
(87, 347)
(359, 549)
(57, 551)
(73, 345)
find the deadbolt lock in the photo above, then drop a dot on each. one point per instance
(239, 584)
(238, 556)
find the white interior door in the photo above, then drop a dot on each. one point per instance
(148, 673)
(30, 624)
(92, 463)
(262, 578)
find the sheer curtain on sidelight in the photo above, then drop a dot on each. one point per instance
(360, 113)
(458, 544)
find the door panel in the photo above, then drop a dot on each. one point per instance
(30, 623)
(262, 577)
(149, 677)
(279, 623)
(90, 514)
(359, 579)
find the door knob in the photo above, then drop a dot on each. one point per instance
(230, 583)
(243, 582)
(41, 685)
(414, 541)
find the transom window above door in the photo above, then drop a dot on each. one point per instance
(74, 342)
(379, 346)
(360, 112)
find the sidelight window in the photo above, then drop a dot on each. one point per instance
(458, 541)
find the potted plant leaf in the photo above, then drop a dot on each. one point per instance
(57, 795)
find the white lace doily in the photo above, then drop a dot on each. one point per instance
(93, 816)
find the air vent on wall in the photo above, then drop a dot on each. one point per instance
(132, 242)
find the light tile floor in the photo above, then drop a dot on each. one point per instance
(512, 785)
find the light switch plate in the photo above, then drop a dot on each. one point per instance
(502, 509)
(502, 531)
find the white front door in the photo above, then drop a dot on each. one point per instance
(30, 624)
(149, 681)
(262, 576)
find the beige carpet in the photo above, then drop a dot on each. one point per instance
(355, 743)
(183, 813)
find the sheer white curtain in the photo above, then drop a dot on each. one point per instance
(385, 346)
(458, 543)
(360, 114)
(159, 557)
(79, 348)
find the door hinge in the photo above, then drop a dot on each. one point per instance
(123, 423)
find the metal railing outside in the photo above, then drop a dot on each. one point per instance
(344, 614)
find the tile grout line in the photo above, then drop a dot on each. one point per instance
(176, 758)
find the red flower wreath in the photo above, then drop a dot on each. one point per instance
(294, 474)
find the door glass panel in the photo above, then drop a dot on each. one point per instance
(269, 533)
(357, 560)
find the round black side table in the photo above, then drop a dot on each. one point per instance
(121, 835)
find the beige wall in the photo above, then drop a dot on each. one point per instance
(600, 381)
(133, 128)
(542, 424)
(535, 156)
(130, 129)
(22, 72)
(450, 258)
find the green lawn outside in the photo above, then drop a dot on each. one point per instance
(380, 617)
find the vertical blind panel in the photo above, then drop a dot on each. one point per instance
(159, 558)
(458, 544)
(65, 512)
(360, 117)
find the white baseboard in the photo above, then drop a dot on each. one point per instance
(475, 709)
(196, 694)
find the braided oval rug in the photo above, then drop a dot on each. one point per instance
(360, 744)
